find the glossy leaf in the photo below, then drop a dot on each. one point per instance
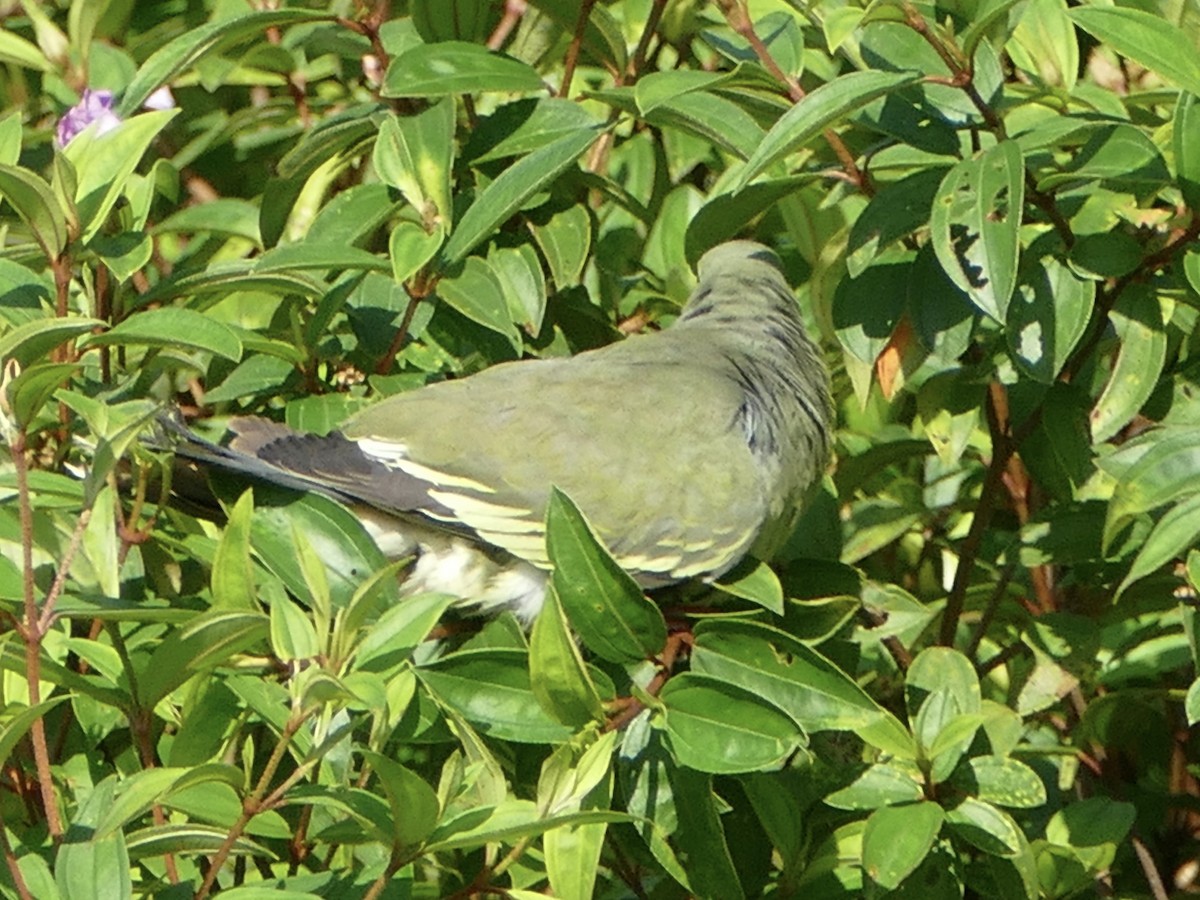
(754, 581)
(990, 829)
(1137, 319)
(826, 105)
(173, 327)
(557, 672)
(718, 728)
(203, 643)
(612, 615)
(897, 839)
(511, 189)
(178, 55)
(33, 341)
(880, 785)
(792, 676)
(491, 689)
(456, 67)
(1186, 141)
(1146, 39)
(37, 206)
(1047, 316)
(975, 224)
(104, 162)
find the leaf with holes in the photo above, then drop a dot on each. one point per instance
(975, 223)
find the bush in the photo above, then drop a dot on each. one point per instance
(971, 675)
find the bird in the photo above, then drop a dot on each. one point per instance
(686, 449)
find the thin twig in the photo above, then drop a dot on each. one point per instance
(1153, 879)
(14, 867)
(572, 60)
(989, 610)
(46, 620)
(993, 480)
(389, 358)
(513, 11)
(638, 59)
(251, 806)
(738, 16)
(32, 632)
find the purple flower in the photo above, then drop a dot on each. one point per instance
(93, 106)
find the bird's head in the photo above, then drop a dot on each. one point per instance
(743, 279)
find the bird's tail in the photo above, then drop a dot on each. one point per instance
(173, 435)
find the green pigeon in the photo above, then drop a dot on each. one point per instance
(686, 449)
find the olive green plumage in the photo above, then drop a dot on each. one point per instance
(686, 448)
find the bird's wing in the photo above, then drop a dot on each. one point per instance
(643, 436)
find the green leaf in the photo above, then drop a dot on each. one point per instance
(205, 642)
(990, 829)
(508, 822)
(19, 719)
(104, 162)
(1092, 829)
(184, 51)
(710, 117)
(345, 132)
(315, 255)
(614, 618)
(1044, 45)
(37, 206)
(476, 292)
(897, 839)
(1047, 316)
(1005, 782)
(158, 840)
(410, 247)
(1191, 703)
(897, 210)
(91, 868)
(1186, 142)
(943, 699)
(456, 67)
(226, 278)
(573, 853)
(491, 690)
(519, 272)
(658, 88)
(100, 543)
(722, 729)
(775, 666)
(523, 126)
(1174, 533)
(33, 341)
(724, 215)
(17, 51)
(1138, 320)
(511, 189)
(392, 638)
(293, 636)
(754, 581)
(559, 678)
(232, 570)
(413, 804)
(172, 327)
(336, 535)
(881, 785)
(1119, 155)
(414, 153)
(603, 39)
(823, 107)
(975, 224)
(1148, 39)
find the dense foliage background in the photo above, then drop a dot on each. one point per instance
(971, 676)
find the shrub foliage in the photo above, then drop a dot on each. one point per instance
(966, 674)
